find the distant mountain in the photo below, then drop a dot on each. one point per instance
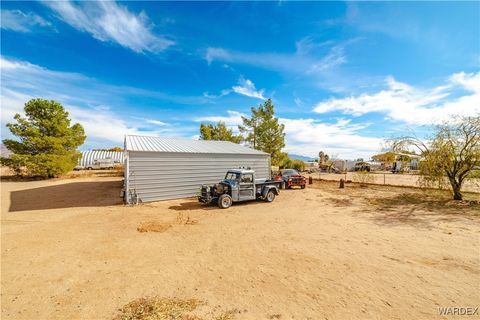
(4, 152)
(299, 157)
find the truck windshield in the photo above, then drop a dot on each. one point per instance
(232, 176)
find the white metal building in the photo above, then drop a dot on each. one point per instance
(160, 168)
(88, 157)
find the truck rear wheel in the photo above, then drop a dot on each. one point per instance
(225, 201)
(270, 196)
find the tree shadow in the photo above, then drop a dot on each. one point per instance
(420, 209)
(67, 195)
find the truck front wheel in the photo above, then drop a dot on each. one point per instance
(225, 201)
(270, 196)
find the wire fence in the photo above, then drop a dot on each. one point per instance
(388, 178)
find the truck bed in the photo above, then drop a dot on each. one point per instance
(262, 182)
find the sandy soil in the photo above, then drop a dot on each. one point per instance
(70, 250)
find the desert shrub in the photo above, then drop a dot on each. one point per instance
(298, 165)
(363, 177)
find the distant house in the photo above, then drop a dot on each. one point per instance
(367, 166)
(398, 161)
(310, 164)
(343, 165)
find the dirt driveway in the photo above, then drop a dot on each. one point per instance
(70, 250)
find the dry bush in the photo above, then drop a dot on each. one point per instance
(153, 226)
(363, 177)
(79, 174)
(341, 202)
(156, 308)
(182, 219)
(159, 309)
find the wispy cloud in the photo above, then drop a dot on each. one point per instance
(234, 118)
(399, 101)
(20, 21)
(109, 21)
(154, 122)
(309, 57)
(245, 87)
(317, 62)
(87, 100)
(341, 139)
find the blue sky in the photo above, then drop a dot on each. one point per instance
(343, 76)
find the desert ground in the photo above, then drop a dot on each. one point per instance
(71, 250)
(388, 178)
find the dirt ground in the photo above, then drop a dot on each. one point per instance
(71, 250)
(388, 178)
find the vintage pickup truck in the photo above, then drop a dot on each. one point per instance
(239, 185)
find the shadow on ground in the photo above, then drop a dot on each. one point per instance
(67, 195)
(192, 205)
(196, 205)
(420, 209)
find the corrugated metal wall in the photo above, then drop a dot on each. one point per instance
(89, 156)
(160, 176)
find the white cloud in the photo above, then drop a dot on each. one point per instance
(234, 118)
(151, 121)
(469, 81)
(247, 88)
(402, 102)
(109, 21)
(81, 96)
(309, 136)
(20, 21)
(213, 96)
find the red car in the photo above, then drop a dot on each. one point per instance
(291, 178)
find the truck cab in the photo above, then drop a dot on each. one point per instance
(239, 185)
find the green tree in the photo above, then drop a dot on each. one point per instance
(218, 132)
(298, 165)
(323, 157)
(47, 143)
(264, 132)
(454, 153)
(282, 160)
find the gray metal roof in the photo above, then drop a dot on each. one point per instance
(184, 145)
(88, 157)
